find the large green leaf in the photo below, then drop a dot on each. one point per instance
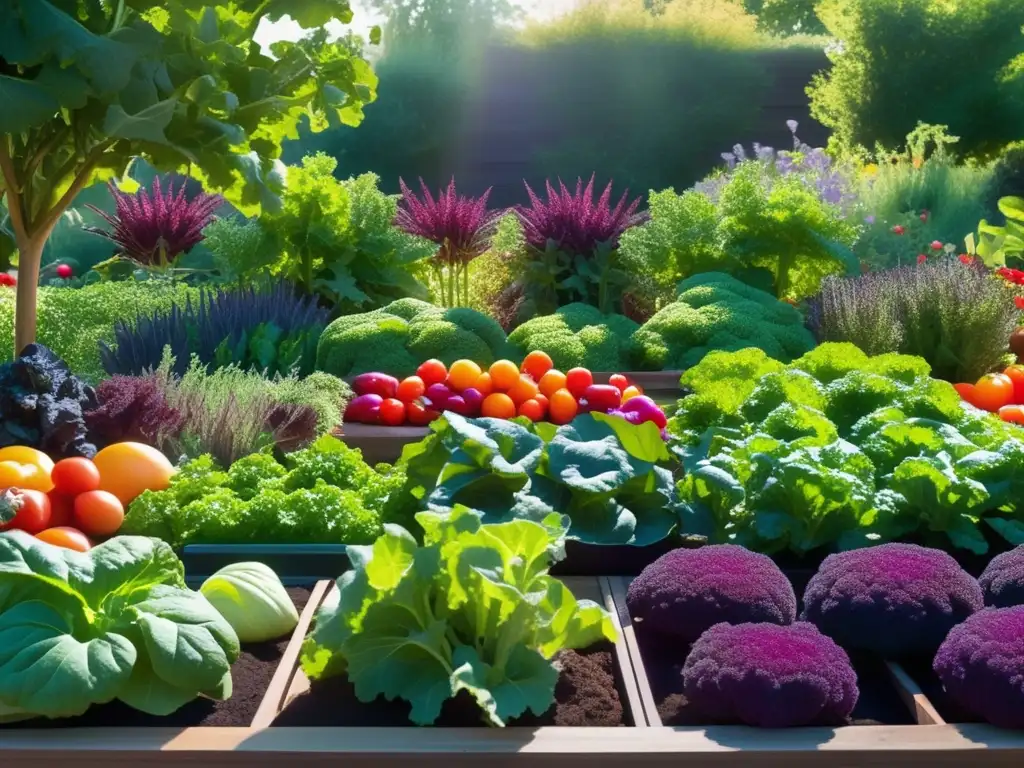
(35, 105)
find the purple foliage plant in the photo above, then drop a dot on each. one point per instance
(153, 230)
(461, 227)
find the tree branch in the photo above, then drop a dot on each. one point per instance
(13, 191)
(50, 218)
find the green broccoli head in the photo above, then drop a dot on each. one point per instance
(717, 312)
(578, 335)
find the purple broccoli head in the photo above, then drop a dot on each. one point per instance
(770, 676)
(1003, 579)
(686, 591)
(893, 599)
(981, 665)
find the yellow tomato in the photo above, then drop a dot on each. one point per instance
(35, 478)
(11, 474)
(128, 469)
(25, 455)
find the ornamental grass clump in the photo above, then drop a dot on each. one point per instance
(893, 599)
(461, 227)
(154, 230)
(687, 591)
(952, 312)
(770, 676)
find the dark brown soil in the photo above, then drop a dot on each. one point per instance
(587, 694)
(920, 670)
(251, 676)
(878, 704)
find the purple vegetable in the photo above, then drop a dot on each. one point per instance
(647, 409)
(375, 384)
(602, 397)
(631, 417)
(458, 404)
(364, 409)
(1003, 579)
(438, 394)
(981, 665)
(770, 676)
(474, 399)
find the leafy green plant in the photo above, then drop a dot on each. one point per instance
(471, 609)
(995, 245)
(957, 316)
(716, 311)
(85, 628)
(578, 335)
(242, 250)
(607, 476)
(90, 87)
(324, 494)
(841, 450)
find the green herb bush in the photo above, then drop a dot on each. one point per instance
(896, 62)
(578, 335)
(840, 450)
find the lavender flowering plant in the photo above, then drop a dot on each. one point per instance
(461, 227)
(154, 230)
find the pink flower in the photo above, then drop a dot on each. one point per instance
(921, 258)
(966, 259)
(924, 216)
(64, 271)
(899, 229)
(936, 245)
(1018, 302)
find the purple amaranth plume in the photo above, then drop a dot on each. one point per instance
(461, 226)
(154, 231)
(574, 221)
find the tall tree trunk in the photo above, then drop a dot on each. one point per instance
(30, 255)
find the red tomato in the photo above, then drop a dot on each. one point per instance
(577, 380)
(62, 509)
(31, 510)
(411, 388)
(67, 537)
(993, 391)
(98, 513)
(432, 372)
(75, 476)
(419, 415)
(532, 410)
(1012, 413)
(1016, 374)
(618, 381)
(966, 392)
(392, 412)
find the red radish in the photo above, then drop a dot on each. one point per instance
(375, 384)
(602, 397)
(364, 409)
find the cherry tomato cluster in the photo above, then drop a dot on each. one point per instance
(534, 390)
(1001, 393)
(60, 503)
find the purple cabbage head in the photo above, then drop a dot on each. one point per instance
(981, 665)
(686, 591)
(1003, 580)
(154, 231)
(770, 676)
(893, 599)
(461, 226)
(573, 221)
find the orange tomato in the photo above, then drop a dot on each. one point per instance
(410, 388)
(523, 390)
(484, 385)
(128, 469)
(1013, 414)
(75, 476)
(504, 374)
(993, 391)
(551, 382)
(1016, 375)
(432, 372)
(498, 406)
(536, 364)
(98, 513)
(463, 374)
(532, 410)
(630, 392)
(67, 537)
(543, 400)
(577, 380)
(563, 407)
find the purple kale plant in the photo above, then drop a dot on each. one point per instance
(154, 230)
(461, 227)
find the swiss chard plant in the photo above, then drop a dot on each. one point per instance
(611, 479)
(117, 622)
(471, 609)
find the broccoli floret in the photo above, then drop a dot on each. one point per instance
(1003, 579)
(770, 676)
(981, 663)
(717, 312)
(687, 591)
(891, 599)
(376, 344)
(578, 335)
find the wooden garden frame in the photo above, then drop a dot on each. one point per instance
(916, 746)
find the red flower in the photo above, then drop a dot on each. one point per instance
(1019, 302)
(1010, 275)
(8, 280)
(64, 271)
(966, 259)
(899, 229)
(921, 258)
(924, 216)
(936, 245)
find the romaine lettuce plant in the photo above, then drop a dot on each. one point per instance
(609, 477)
(473, 609)
(117, 622)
